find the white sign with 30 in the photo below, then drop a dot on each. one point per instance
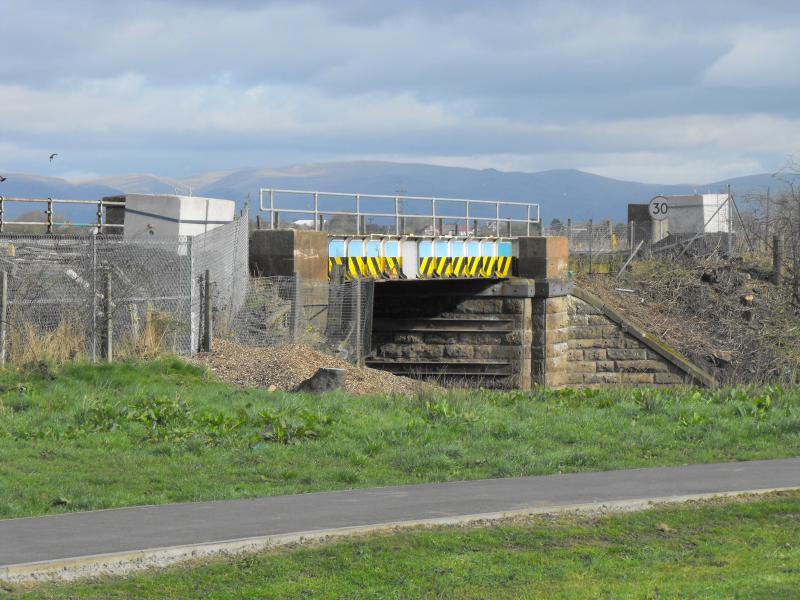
(659, 208)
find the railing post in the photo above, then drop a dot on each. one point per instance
(358, 214)
(49, 213)
(3, 316)
(316, 211)
(528, 221)
(99, 216)
(466, 219)
(272, 216)
(591, 236)
(497, 219)
(433, 215)
(397, 215)
(1, 213)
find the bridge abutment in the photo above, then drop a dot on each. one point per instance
(517, 332)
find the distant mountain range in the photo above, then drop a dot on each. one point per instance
(561, 193)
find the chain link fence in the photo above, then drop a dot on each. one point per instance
(606, 244)
(67, 296)
(331, 317)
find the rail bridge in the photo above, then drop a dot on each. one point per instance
(461, 291)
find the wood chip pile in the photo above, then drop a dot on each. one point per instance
(285, 367)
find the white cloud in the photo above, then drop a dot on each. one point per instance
(513, 85)
(128, 104)
(759, 58)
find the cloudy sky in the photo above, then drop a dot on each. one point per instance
(660, 92)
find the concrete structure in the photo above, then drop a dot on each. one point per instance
(699, 213)
(288, 251)
(644, 227)
(170, 216)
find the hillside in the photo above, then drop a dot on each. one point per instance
(561, 193)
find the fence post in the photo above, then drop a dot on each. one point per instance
(368, 300)
(296, 306)
(193, 326)
(359, 323)
(3, 316)
(777, 259)
(730, 223)
(591, 235)
(94, 298)
(108, 329)
(631, 234)
(207, 311)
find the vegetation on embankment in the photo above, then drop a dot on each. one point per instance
(728, 318)
(742, 548)
(84, 437)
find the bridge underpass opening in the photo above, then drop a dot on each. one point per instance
(468, 333)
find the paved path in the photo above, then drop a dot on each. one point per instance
(56, 538)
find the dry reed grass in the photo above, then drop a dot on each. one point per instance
(155, 338)
(29, 343)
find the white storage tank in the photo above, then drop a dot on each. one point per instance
(698, 213)
(170, 216)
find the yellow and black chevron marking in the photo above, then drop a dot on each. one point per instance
(458, 266)
(334, 262)
(441, 267)
(488, 265)
(462, 266)
(503, 266)
(473, 266)
(393, 267)
(427, 267)
(358, 267)
(444, 267)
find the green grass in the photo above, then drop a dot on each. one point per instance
(732, 549)
(87, 437)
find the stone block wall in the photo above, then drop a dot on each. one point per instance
(603, 348)
(461, 332)
(599, 352)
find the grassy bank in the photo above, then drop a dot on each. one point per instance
(88, 437)
(730, 549)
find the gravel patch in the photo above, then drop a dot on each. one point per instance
(286, 367)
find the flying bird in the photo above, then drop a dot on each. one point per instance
(53, 155)
(2, 179)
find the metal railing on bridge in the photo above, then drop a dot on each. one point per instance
(92, 214)
(359, 214)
